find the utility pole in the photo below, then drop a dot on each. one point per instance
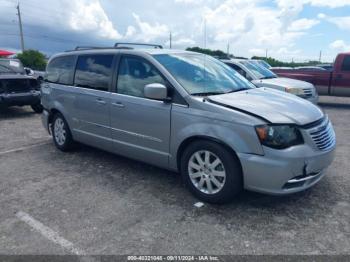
(205, 33)
(228, 49)
(266, 53)
(20, 26)
(320, 56)
(170, 40)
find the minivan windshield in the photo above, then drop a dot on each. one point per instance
(259, 71)
(203, 75)
(11, 66)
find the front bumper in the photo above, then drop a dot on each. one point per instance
(45, 120)
(313, 99)
(281, 172)
(20, 99)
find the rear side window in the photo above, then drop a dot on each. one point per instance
(94, 72)
(60, 70)
(346, 64)
(134, 74)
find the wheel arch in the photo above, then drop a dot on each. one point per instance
(192, 139)
(53, 112)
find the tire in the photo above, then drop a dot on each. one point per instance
(215, 181)
(61, 135)
(37, 108)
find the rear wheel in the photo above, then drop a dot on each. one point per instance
(211, 172)
(37, 108)
(61, 134)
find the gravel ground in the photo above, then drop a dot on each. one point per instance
(100, 203)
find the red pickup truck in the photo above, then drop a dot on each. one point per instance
(335, 82)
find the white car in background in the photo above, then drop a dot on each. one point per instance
(263, 77)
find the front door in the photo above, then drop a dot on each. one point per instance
(93, 79)
(140, 127)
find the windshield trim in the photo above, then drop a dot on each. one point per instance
(238, 82)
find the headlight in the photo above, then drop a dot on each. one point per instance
(279, 136)
(295, 91)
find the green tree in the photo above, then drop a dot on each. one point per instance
(33, 59)
(276, 63)
(215, 53)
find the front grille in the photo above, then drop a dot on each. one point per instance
(15, 86)
(323, 135)
(307, 92)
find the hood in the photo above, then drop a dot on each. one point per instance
(283, 82)
(15, 76)
(272, 105)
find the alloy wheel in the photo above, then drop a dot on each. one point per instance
(207, 172)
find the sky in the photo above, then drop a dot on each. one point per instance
(286, 29)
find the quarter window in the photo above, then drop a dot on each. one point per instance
(134, 74)
(346, 64)
(94, 72)
(60, 70)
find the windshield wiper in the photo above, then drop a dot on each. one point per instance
(207, 94)
(237, 90)
(218, 93)
(268, 77)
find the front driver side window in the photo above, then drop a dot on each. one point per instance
(134, 74)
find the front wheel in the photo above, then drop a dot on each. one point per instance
(37, 108)
(61, 134)
(211, 172)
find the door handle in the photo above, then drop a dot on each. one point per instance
(118, 104)
(100, 101)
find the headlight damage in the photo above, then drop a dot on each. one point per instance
(279, 136)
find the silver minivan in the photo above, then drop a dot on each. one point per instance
(187, 112)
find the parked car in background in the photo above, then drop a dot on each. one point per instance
(262, 63)
(39, 75)
(328, 67)
(263, 77)
(16, 87)
(332, 83)
(187, 112)
(309, 68)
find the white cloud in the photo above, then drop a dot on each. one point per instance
(148, 32)
(316, 3)
(181, 43)
(340, 45)
(130, 32)
(303, 24)
(251, 28)
(89, 16)
(342, 22)
(329, 3)
(257, 52)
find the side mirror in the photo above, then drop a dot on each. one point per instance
(29, 71)
(156, 91)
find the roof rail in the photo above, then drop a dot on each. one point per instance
(90, 47)
(80, 48)
(118, 45)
